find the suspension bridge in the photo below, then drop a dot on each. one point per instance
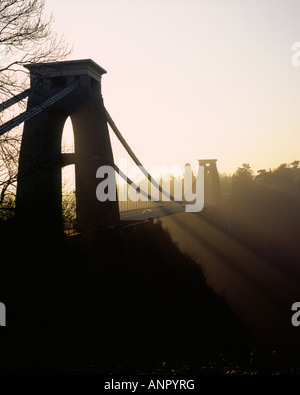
(73, 89)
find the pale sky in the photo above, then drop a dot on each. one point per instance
(192, 79)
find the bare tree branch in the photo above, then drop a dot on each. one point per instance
(26, 37)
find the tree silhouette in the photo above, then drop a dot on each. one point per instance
(242, 179)
(26, 37)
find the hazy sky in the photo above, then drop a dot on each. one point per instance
(192, 79)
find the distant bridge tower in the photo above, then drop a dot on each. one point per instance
(212, 186)
(39, 196)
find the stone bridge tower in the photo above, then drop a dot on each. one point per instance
(39, 196)
(212, 190)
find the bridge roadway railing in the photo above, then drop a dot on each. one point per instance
(161, 209)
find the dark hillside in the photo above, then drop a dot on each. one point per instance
(99, 301)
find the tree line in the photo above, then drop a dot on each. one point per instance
(284, 178)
